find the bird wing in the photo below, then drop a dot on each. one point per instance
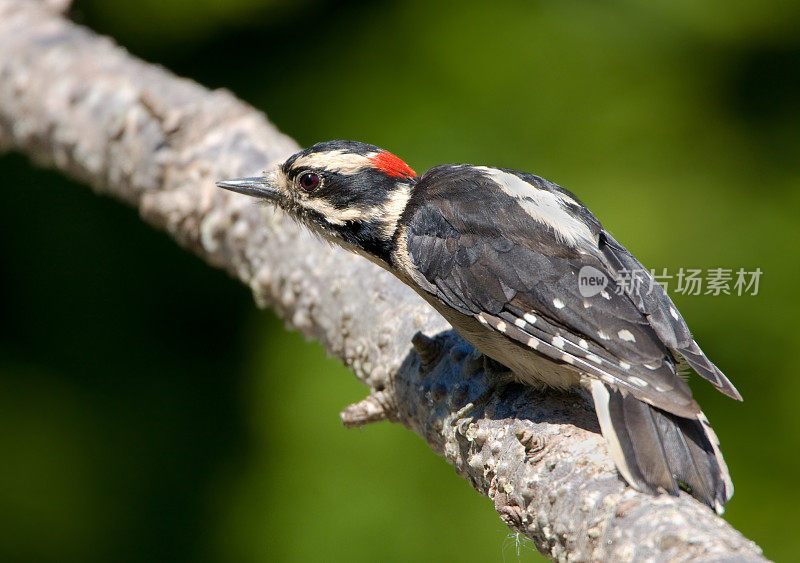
(651, 299)
(491, 252)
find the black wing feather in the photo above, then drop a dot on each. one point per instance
(468, 263)
(662, 313)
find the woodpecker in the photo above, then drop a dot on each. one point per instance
(501, 255)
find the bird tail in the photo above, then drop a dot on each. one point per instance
(656, 450)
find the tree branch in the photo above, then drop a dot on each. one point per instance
(77, 102)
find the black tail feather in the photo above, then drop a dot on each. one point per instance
(656, 450)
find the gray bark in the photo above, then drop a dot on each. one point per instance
(77, 102)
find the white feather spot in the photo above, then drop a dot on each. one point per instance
(482, 319)
(558, 342)
(582, 343)
(595, 359)
(586, 304)
(533, 342)
(605, 294)
(674, 313)
(567, 358)
(558, 303)
(529, 318)
(625, 334)
(502, 326)
(520, 323)
(602, 335)
(637, 381)
(624, 365)
(652, 366)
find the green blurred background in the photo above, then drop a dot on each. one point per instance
(148, 411)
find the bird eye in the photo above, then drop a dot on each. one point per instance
(309, 181)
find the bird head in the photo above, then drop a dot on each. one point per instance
(348, 192)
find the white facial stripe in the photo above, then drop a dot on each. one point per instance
(388, 213)
(331, 214)
(546, 207)
(335, 161)
(391, 210)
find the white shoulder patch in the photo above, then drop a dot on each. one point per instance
(546, 207)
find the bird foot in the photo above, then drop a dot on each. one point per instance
(498, 376)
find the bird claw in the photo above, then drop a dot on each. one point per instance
(498, 376)
(462, 420)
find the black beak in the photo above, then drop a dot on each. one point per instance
(257, 187)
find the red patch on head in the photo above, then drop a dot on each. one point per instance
(391, 165)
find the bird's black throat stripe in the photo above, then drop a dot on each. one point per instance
(368, 236)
